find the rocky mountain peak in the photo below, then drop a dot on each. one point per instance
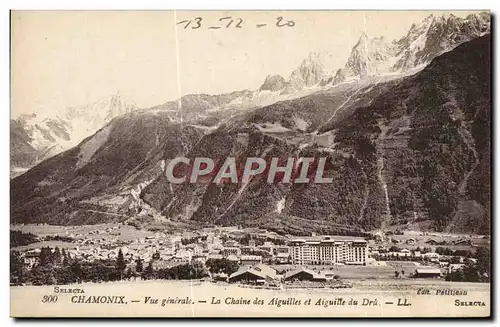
(423, 42)
(104, 109)
(369, 56)
(47, 136)
(310, 72)
(273, 83)
(363, 40)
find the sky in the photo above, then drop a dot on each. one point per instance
(72, 58)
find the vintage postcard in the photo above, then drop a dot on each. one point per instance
(250, 164)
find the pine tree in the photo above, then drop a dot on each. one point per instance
(120, 263)
(66, 258)
(57, 256)
(76, 271)
(139, 266)
(17, 269)
(45, 256)
(149, 271)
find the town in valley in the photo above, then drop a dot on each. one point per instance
(251, 257)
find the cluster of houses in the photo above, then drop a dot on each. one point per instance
(254, 254)
(405, 253)
(432, 241)
(211, 243)
(441, 260)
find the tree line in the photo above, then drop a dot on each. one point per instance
(478, 271)
(56, 267)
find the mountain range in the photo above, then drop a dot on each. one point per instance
(405, 126)
(35, 138)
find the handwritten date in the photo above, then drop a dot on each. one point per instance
(230, 22)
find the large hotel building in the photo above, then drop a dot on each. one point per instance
(329, 250)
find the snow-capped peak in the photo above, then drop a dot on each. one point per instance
(66, 128)
(423, 42)
(310, 72)
(273, 83)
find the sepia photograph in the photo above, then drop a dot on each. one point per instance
(266, 163)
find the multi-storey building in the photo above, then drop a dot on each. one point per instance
(227, 251)
(250, 260)
(328, 250)
(282, 249)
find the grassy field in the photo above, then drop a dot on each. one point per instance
(122, 233)
(51, 244)
(385, 270)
